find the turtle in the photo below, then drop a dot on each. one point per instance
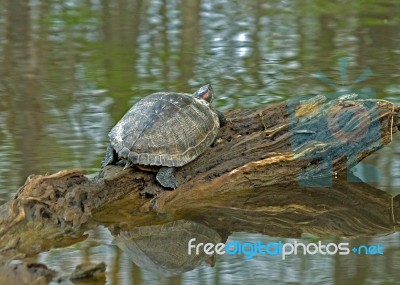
(167, 130)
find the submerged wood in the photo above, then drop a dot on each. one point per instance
(245, 182)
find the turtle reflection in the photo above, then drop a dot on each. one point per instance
(164, 248)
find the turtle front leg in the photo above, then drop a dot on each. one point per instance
(221, 117)
(166, 178)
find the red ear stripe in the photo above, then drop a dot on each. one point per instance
(206, 96)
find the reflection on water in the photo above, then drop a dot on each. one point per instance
(69, 70)
(158, 248)
(163, 249)
(234, 269)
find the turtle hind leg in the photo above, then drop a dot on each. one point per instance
(166, 178)
(110, 158)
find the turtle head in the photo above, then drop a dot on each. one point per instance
(205, 92)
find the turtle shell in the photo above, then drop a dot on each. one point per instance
(168, 129)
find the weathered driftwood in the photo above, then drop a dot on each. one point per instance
(28, 273)
(247, 181)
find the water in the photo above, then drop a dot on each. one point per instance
(69, 70)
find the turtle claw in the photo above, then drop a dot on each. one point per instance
(127, 164)
(166, 178)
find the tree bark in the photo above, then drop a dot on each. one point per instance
(247, 181)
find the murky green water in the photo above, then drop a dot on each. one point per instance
(70, 69)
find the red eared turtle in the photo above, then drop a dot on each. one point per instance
(165, 129)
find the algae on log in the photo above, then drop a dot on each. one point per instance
(257, 151)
